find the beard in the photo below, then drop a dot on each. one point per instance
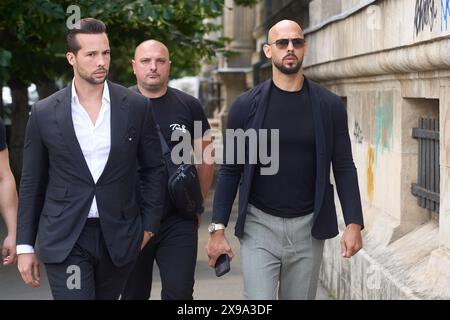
(292, 68)
(90, 77)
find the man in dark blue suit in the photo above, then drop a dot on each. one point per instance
(285, 217)
(79, 192)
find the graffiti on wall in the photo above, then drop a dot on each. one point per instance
(445, 14)
(383, 138)
(384, 118)
(425, 15)
(357, 132)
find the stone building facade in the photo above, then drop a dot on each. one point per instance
(389, 60)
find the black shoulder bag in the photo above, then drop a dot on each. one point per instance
(183, 185)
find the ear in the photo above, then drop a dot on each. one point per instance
(267, 51)
(133, 64)
(70, 56)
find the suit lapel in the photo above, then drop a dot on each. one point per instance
(119, 124)
(316, 104)
(259, 108)
(63, 111)
(257, 114)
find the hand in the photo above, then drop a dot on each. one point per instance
(9, 250)
(351, 241)
(28, 265)
(216, 246)
(147, 236)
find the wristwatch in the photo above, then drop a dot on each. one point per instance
(213, 227)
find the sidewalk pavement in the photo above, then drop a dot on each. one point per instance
(207, 285)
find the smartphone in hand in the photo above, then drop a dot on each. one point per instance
(222, 265)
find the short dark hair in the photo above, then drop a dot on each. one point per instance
(86, 26)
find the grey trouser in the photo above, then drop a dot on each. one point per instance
(279, 256)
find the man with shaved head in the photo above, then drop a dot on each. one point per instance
(175, 246)
(285, 217)
(151, 65)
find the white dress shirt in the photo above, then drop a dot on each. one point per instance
(94, 140)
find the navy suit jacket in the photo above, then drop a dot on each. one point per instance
(57, 188)
(332, 147)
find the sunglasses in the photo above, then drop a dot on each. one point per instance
(297, 43)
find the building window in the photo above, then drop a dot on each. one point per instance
(427, 187)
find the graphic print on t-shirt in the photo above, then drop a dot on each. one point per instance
(176, 126)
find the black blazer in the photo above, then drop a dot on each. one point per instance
(332, 146)
(57, 188)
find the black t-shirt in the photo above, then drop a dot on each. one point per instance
(290, 192)
(177, 110)
(2, 135)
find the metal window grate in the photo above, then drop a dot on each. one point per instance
(427, 188)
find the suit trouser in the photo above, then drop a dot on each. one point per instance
(175, 251)
(279, 257)
(88, 272)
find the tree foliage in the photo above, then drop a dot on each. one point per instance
(33, 33)
(32, 43)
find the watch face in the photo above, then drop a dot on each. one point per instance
(211, 228)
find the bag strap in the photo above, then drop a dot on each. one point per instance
(171, 168)
(164, 146)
